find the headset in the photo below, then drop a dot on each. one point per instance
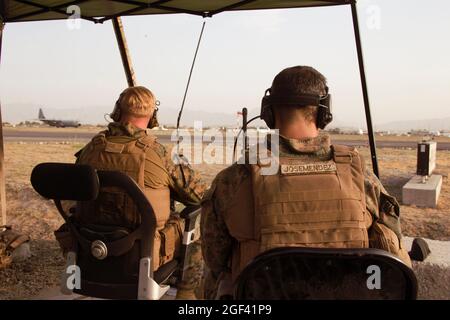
(324, 115)
(116, 113)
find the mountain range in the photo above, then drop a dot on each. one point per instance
(16, 113)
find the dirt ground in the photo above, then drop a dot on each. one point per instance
(32, 215)
(397, 166)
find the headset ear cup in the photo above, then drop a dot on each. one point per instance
(270, 120)
(324, 117)
(153, 122)
(267, 112)
(319, 120)
(115, 115)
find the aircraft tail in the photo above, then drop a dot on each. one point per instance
(41, 115)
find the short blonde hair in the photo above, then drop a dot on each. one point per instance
(137, 101)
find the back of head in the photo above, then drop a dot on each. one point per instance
(297, 81)
(138, 102)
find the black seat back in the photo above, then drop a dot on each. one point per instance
(65, 181)
(294, 273)
(117, 274)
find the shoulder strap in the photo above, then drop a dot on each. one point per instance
(145, 142)
(99, 138)
(342, 154)
(345, 154)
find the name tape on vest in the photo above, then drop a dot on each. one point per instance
(308, 168)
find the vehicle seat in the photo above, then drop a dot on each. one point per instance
(114, 262)
(298, 273)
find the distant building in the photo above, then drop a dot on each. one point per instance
(334, 131)
(383, 133)
(428, 133)
(421, 132)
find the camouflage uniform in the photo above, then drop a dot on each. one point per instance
(184, 183)
(217, 249)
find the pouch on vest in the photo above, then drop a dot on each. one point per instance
(156, 262)
(381, 237)
(171, 236)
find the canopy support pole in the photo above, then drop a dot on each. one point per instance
(373, 150)
(2, 155)
(124, 53)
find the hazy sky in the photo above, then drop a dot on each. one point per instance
(405, 42)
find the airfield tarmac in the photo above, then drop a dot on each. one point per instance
(42, 134)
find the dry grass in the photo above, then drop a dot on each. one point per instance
(29, 214)
(36, 217)
(397, 166)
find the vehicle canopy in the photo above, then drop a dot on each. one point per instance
(102, 10)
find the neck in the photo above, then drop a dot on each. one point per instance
(299, 131)
(140, 123)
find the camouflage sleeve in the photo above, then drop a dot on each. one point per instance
(383, 207)
(185, 184)
(217, 242)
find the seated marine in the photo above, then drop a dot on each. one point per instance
(128, 146)
(321, 195)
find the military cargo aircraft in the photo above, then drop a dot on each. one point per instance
(57, 123)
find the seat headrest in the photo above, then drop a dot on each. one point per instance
(65, 181)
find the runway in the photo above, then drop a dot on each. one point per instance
(83, 136)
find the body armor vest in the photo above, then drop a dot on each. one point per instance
(113, 206)
(309, 203)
